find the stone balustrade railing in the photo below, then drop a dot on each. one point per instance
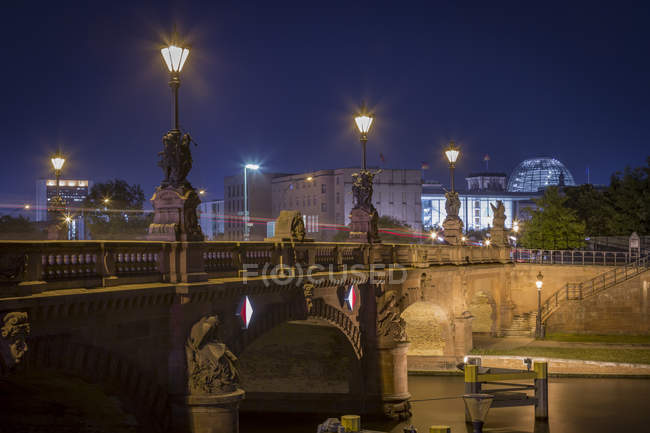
(30, 267)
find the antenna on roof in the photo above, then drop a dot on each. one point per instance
(486, 160)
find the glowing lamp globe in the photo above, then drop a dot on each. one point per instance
(252, 166)
(539, 283)
(364, 122)
(174, 57)
(57, 161)
(452, 153)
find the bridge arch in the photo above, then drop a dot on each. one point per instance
(429, 330)
(135, 388)
(276, 314)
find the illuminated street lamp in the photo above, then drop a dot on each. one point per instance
(364, 122)
(538, 322)
(434, 236)
(452, 152)
(175, 56)
(57, 162)
(246, 216)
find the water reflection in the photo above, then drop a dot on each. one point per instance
(575, 406)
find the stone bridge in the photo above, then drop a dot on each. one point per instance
(316, 327)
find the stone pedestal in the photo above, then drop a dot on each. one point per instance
(175, 216)
(463, 335)
(453, 230)
(394, 380)
(499, 237)
(218, 413)
(363, 225)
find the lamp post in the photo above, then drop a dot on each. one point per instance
(175, 57)
(246, 228)
(452, 153)
(57, 162)
(538, 322)
(364, 122)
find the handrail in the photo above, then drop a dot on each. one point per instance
(571, 257)
(592, 286)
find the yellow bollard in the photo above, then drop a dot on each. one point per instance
(439, 429)
(541, 390)
(352, 423)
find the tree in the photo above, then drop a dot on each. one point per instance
(591, 206)
(116, 211)
(629, 197)
(553, 225)
(19, 228)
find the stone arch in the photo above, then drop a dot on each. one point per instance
(277, 314)
(138, 390)
(484, 311)
(429, 330)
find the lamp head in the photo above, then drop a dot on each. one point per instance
(488, 242)
(539, 282)
(452, 152)
(364, 121)
(252, 166)
(175, 54)
(57, 161)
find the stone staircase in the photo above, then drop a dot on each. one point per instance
(523, 325)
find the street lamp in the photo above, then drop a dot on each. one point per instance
(364, 122)
(57, 162)
(175, 56)
(538, 322)
(452, 153)
(246, 228)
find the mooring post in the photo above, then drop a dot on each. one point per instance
(472, 385)
(541, 390)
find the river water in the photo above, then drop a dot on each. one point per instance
(575, 406)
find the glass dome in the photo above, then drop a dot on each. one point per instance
(537, 173)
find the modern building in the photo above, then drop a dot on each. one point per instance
(533, 175)
(211, 219)
(73, 193)
(517, 192)
(259, 205)
(325, 199)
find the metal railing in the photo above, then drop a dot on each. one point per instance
(589, 288)
(571, 257)
(38, 266)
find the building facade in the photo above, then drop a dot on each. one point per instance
(259, 205)
(483, 190)
(73, 193)
(211, 219)
(325, 199)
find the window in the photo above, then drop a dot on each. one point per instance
(323, 207)
(403, 197)
(337, 179)
(323, 188)
(338, 198)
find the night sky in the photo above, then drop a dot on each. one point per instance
(278, 83)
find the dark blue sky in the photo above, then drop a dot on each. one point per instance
(277, 83)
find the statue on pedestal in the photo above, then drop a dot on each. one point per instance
(498, 235)
(364, 217)
(175, 200)
(452, 225)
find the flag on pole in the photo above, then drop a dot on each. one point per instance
(425, 165)
(381, 156)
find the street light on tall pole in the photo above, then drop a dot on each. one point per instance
(538, 322)
(452, 153)
(246, 213)
(364, 122)
(175, 56)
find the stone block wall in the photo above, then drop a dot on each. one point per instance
(622, 309)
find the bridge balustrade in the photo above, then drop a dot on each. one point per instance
(29, 267)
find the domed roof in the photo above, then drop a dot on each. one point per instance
(534, 174)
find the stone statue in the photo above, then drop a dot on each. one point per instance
(389, 320)
(14, 332)
(211, 367)
(364, 217)
(298, 227)
(498, 234)
(499, 219)
(452, 204)
(176, 159)
(362, 189)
